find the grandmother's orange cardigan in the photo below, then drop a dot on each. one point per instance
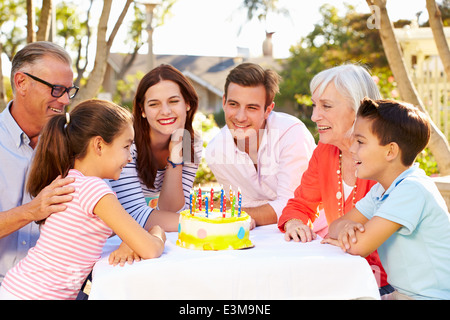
(319, 186)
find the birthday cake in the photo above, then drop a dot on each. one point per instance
(214, 229)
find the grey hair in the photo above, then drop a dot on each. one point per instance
(351, 80)
(34, 52)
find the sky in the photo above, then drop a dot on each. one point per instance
(219, 27)
(211, 27)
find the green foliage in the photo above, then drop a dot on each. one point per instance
(219, 118)
(427, 162)
(333, 41)
(298, 70)
(386, 82)
(204, 174)
(207, 127)
(337, 39)
(12, 26)
(125, 88)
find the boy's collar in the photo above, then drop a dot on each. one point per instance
(396, 182)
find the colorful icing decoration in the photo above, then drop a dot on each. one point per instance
(241, 233)
(201, 233)
(213, 232)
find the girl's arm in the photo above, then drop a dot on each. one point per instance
(146, 244)
(357, 235)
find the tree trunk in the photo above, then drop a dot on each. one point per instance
(82, 69)
(437, 27)
(438, 144)
(97, 74)
(45, 21)
(31, 36)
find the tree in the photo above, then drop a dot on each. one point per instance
(76, 34)
(437, 27)
(31, 36)
(45, 20)
(137, 30)
(103, 48)
(11, 36)
(334, 40)
(438, 142)
(261, 8)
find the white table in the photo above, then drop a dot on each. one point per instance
(273, 269)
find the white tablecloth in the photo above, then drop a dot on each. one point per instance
(273, 269)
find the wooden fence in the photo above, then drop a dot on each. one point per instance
(433, 87)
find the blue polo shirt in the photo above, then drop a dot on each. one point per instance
(15, 160)
(417, 256)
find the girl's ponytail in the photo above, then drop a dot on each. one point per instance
(53, 155)
(66, 137)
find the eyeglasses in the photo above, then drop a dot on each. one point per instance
(57, 90)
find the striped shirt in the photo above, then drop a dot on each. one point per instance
(70, 243)
(131, 191)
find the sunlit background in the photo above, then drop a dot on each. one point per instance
(220, 27)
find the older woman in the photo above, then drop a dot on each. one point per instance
(330, 179)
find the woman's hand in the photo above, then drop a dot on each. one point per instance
(298, 231)
(176, 146)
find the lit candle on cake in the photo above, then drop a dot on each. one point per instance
(212, 199)
(233, 206)
(199, 198)
(194, 201)
(221, 199)
(231, 194)
(239, 203)
(190, 202)
(206, 206)
(224, 205)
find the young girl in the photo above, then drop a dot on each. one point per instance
(90, 144)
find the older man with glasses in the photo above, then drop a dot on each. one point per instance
(42, 83)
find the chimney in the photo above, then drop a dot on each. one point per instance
(267, 44)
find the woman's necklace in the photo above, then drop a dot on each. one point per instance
(340, 194)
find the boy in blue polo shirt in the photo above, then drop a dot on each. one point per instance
(403, 216)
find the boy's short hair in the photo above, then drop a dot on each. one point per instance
(252, 75)
(398, 122)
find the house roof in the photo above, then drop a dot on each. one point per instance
(415, 40)
(208, 71)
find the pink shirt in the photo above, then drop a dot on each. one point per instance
(283, 156)
(69, 245)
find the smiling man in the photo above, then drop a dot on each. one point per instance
(42, 83)
(261, 152)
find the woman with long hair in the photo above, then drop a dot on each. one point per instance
(166, 151)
